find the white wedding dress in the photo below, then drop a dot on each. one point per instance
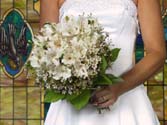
(119, 18)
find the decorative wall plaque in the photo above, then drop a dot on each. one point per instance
(15, 48)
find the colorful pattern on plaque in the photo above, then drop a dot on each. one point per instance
(37, 5)
(15, 45)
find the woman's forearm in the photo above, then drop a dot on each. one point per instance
(49, 11)
(149, 16)
(143, 70)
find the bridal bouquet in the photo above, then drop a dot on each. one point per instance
(70, 59)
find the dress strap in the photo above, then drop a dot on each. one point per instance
(132, 10)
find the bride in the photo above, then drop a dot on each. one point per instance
(128, 101)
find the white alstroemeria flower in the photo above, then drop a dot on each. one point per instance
(39, 40)
(69, 58)
(56, 48)
(47, 30)
(55, 61)
(69, 26)
(44, 60)
(61, 72)
(34, 61)
(78, 47)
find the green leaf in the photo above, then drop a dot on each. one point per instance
(103, 80)
(115, 79)
(115, 53)
(81, 100)
(103, 65)
(52, 96)
(30, 42)
(71, 97)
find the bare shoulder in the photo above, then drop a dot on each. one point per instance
(149, 13)
(136, 2)
(60, 3)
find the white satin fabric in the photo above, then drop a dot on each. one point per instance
(119, 18)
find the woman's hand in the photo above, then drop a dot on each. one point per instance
(106, 96)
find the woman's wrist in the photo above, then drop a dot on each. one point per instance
(122, 87)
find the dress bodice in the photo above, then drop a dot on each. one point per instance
(118, 18)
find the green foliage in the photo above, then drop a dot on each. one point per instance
(115, 79)
(81, 100)
(71, 97)
(115, 53)
(77, 100)
(103, 65)
(103, 79)
(51, 96)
